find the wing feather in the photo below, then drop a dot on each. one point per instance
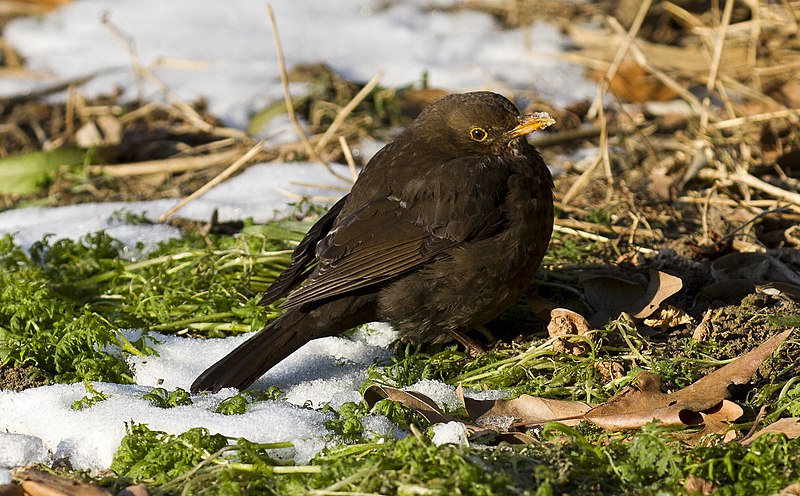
(387, 237)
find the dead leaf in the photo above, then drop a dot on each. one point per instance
(527, 410)
(11, 490)
(611, 296)
(633, 83)
(137, 490)
(411, 399)
(755, 267)
(565, 323)
(790, 427)
(39, 483)
(418, 402)
(609, 370)
(716, 420)
(703, 329)
(791, 490)
(634, 408)
(697, 485)
(667, 317)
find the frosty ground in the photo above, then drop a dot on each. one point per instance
(224, 53)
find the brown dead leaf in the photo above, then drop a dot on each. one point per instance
(564, 323)
(633, 408)
(419, 403)
(716, 420)
(697, 485)
(703, 329)
(791, 490)
(609, 370)
(610, 296)
(411, 399)
(526, 410)
(790, 427)
(633, 83)
(11, 490)
(39, 483)
(137, 490)
(667, 317)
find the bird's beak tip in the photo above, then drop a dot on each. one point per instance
(530, 123)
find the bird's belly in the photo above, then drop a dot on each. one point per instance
(472, 285)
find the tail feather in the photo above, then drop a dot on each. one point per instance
(282, 337)
(251, 359)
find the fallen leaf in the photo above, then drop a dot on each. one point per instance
(39, 483)
(137, 490)
(634, 408)
(667, 317)
(755, 267)
(790, 427)
(564, 323)
(716, 420)
(418, 402)
(610, 296)
(633, 83)
(11, 490)
(697, 485)
(527, 410)
(791, 490)
(411, 399)
(703, 329)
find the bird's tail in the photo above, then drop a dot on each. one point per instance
(251, 359)
(282, 337)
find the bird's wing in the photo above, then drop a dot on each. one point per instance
(303, 256)
(389, 236)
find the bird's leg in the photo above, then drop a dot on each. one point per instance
(473, 347)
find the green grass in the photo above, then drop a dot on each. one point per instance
(61, 306)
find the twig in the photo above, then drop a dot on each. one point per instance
(752, 181)
(669, 82)
(346, 110)
(546, 140)
(287, 97)
(766, 116)
(719, 43)
(218, 179)
(730, 202)
(143, 71)
(169, 165)
(316, 199)
(602, 155)
(348, 156)
(644, 7)
(319, 186)
(597, 237)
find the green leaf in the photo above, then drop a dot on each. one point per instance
(23, 174)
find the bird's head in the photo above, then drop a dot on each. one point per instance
(479, 123)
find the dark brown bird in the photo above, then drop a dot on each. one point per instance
(442, 231)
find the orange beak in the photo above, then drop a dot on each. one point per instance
(530, 123)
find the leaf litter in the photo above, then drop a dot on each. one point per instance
(701, 402)
(704, 228)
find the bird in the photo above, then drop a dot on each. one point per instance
(442, 231)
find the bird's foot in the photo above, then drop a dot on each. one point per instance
(473, 347)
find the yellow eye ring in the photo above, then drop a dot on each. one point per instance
(478, 134)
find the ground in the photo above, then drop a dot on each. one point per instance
(703, 188)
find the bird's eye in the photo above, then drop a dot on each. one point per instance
(478, 134)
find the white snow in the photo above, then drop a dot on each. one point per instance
(260, 193)
(450, 433)
(223, 52)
